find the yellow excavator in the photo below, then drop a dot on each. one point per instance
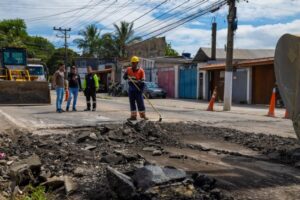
(287, 71)
(17, 87)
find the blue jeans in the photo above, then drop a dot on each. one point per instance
(73, 94)
(59, 97)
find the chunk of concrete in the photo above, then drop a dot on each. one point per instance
(70, 185)
(203, 181)
(152, 175)
(111, 159)
(26, 170)
(156, 153)
(121, 184)
(54, 183)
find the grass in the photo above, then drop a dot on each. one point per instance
(34, 193)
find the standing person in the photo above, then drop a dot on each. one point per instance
(74, 86)
(136, 77)
(90, 87)
(58, 82)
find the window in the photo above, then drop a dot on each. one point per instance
(36, 71)
(14, 57)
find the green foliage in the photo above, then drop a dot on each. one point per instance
(39, 47)
(170, 51)
(90, 41)
(13, 33)
(34, 193)
(109, 45)
(58, 57)
(124, 36)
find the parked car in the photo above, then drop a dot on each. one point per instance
(152, 90)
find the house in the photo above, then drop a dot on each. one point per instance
(253, 76)
(105, 69)
(176, 75)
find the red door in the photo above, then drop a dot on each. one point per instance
(166, 80)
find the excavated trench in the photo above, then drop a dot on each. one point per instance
(148, 160)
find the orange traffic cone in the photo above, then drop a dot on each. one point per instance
(271, 112)
(67, 95)
(286, 114)
(212, 101)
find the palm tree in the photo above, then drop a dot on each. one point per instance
(108, 49)
(90, 41)
(124, 36)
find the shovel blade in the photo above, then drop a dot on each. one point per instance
(287, 72)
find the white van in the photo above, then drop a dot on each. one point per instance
(37, 72)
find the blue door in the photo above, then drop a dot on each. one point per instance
(188, 83)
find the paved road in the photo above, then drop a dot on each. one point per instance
(115, 110)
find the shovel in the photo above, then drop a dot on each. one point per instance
(287, 71)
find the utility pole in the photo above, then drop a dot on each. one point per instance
(229, 56)
(65, 35)
(213, 40)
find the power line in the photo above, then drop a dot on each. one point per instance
(147, 23)
(78, 11)
(149, 11)
(210, 8)
(175, 15)
(129, 13)
(123, 6)
(93, 16)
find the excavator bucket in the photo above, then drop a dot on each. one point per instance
(24, 93)
(287, 71)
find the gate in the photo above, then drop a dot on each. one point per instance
(166, 80)
(188, 83)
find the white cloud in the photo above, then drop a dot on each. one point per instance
(182, 38)
(247, 36)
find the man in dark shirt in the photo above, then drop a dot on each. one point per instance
(74, 86)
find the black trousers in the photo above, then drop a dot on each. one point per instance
(88, 94)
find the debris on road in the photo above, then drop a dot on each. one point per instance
(131, 160)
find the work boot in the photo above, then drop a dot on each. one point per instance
(88, 107)
(143, 116)
(94, 106)
(133, 116)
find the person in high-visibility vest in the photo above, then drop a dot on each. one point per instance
(136, 77)
(90, 87)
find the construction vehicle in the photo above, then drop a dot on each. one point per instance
(287, 71)
(17, 86)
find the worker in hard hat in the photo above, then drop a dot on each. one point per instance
(90, 87)
(136, 77)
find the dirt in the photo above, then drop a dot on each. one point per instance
(244, 165)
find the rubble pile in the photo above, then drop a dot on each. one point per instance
(98, 163)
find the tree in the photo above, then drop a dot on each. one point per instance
(170, 51)
(90, 41)
(39, 47)
(12, 33)
(108, 49)
(124, 35)
(58, 57)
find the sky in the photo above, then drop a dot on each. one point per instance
(260, 22)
